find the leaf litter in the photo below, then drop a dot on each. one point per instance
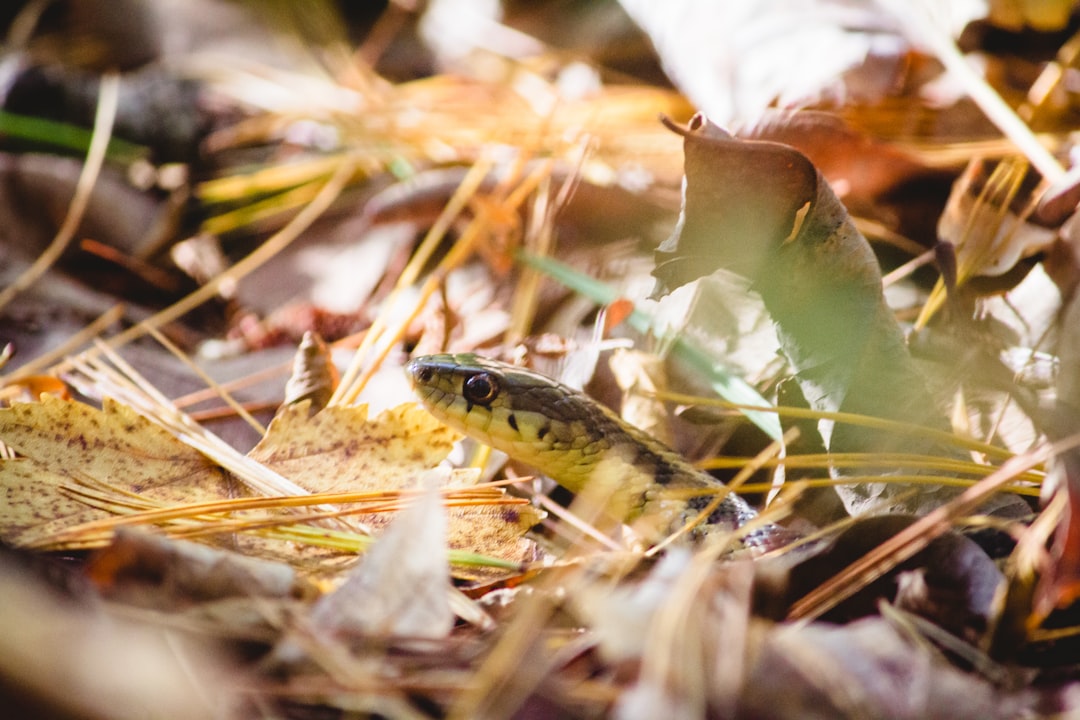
(943, 598)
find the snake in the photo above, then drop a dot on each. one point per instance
(576, 441)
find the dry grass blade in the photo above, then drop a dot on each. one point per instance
(891, 461)
(54, 358)
(382, 335)
(281, 239)
(350, 384)
(914, 538)
(124, 383)
(919, 431)
(918, 21)
(987, 229)
(218, 390)
(95, 158)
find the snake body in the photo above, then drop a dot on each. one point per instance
(574, 440)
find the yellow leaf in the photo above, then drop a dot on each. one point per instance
(78, 465)
(340, 450)
(68, 447)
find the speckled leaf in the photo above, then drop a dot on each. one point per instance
(492, 530)
(64, 444)
(340, 450)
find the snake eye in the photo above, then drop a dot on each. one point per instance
(481, 389)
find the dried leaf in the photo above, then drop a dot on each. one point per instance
(734, 59)
(866, 669)
(147, 570)
(620, 618)
(340, 450)
(763, 211)
(1059, 584)
(987, 242)
(77, 465)
(314, 375)
(951, 582)
(984, 219)
(493, 530)
(62, 660)
(401, 586)
(67, 448)
(740, 198)
(696, 644)
(638, 375)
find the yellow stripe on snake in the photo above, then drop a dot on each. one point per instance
(572, 439)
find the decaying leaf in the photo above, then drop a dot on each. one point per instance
(61, 659)
(340, 450)
(638, 375)
(698, 643)
(147, 570)
(866, 669)
(314, 376)
(75, 460)
(1059, 584)
(733, 60)
(952, 582)
(985, 225)
(620, 617)
(78, 465)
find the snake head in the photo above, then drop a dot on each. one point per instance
(526, 415)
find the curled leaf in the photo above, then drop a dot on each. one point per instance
(314, 376)
(763, 211)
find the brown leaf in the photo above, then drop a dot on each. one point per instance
(866, 669)
(147, 570)
(763, 211)
(61, 659)
(340, 450)
(314, 375)
(951, 582)
(740, 197)
(1059, 584)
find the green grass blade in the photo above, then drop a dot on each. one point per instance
(63, 136)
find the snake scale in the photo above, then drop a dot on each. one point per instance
(574, 440)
